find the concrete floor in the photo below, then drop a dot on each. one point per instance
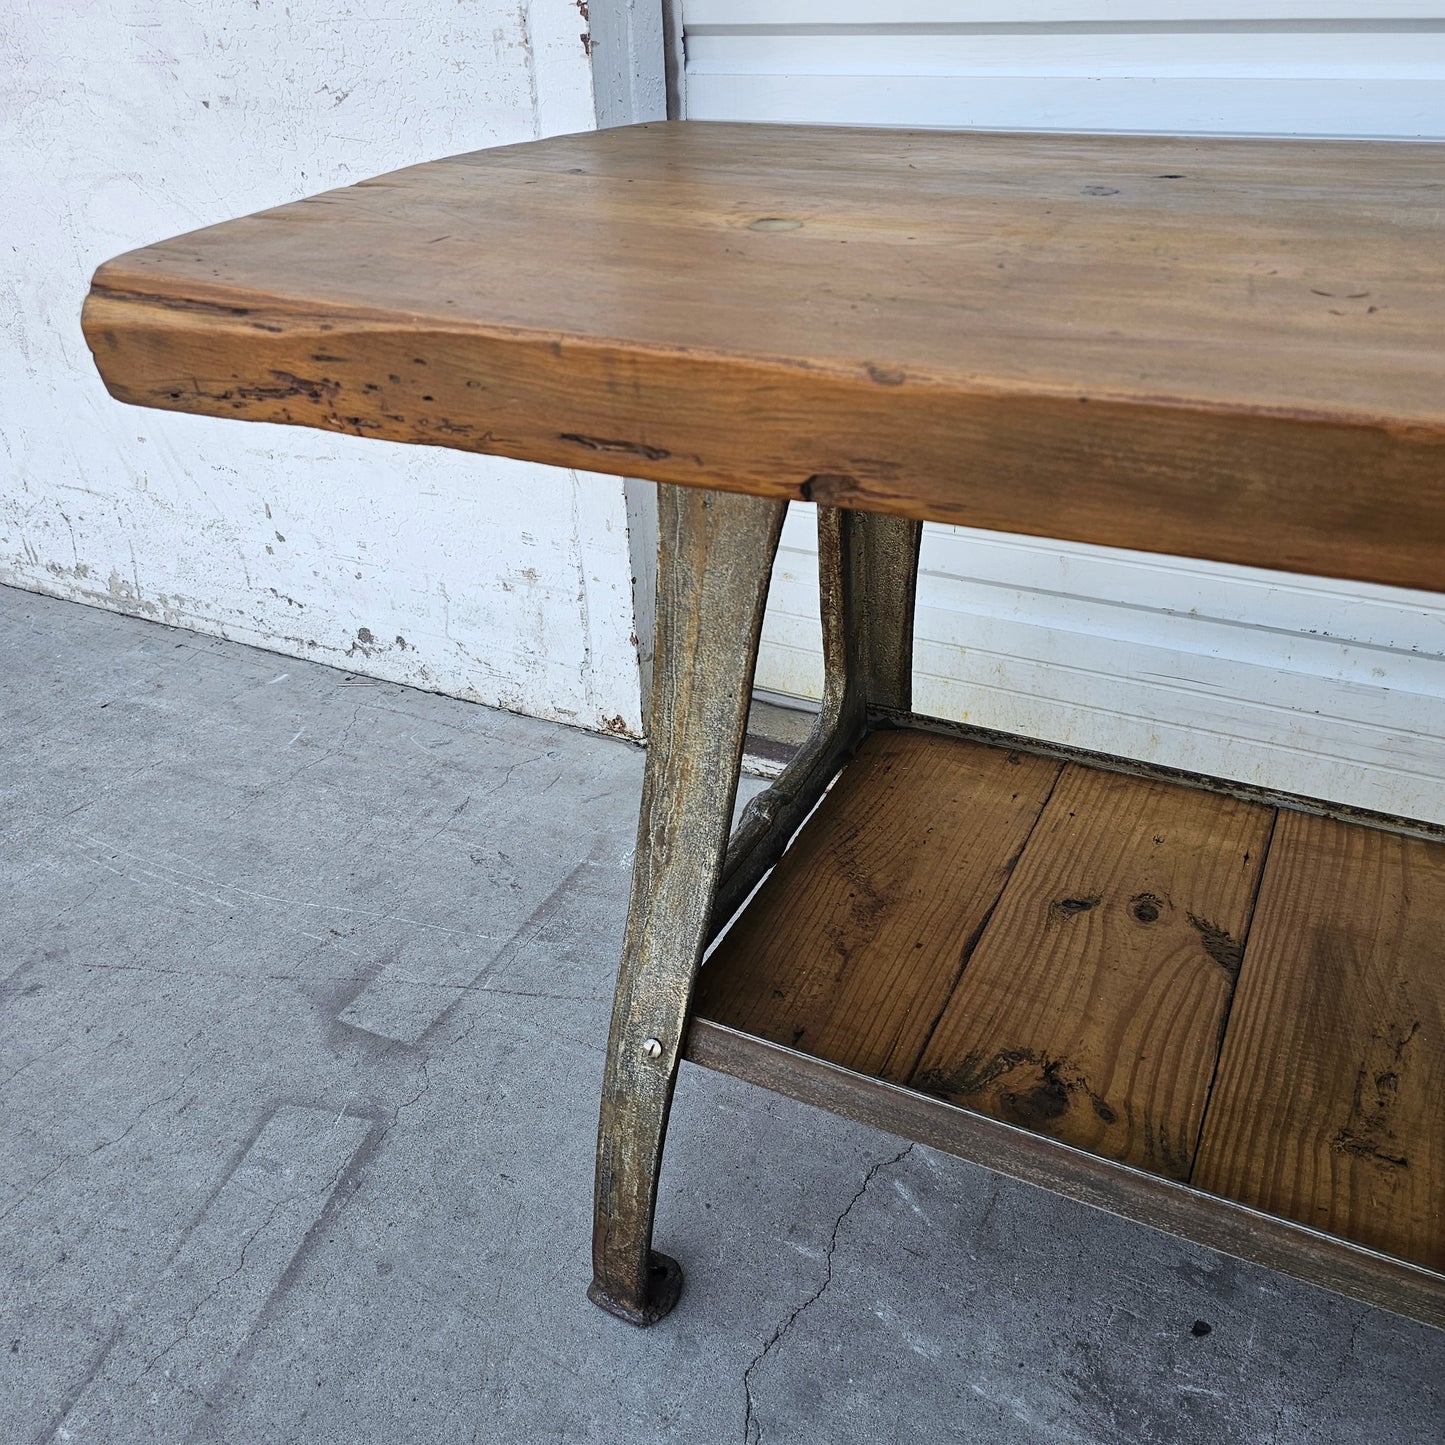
(305, 990)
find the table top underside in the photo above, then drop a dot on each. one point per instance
(1221, 348)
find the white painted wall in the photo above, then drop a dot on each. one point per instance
(130, 121)
(1307, 685)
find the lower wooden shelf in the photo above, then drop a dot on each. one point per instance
(1219, 1016)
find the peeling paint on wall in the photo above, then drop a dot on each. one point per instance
(486, 579)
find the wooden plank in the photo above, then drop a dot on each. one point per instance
(1328, 1106)
(850, 948)
(1093, 1007)
(1179, 345)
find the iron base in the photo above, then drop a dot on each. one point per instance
(664, 1285)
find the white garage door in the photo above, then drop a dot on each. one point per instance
(1310, 686)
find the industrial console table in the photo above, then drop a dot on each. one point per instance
(1210, 1008)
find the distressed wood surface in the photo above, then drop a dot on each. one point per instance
(1221, 348)
(851, 948)
(1244, 999)
(1330, 1102)
(1093, 1006)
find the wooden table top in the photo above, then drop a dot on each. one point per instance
(1223, 348)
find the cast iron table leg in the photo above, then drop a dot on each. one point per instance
(715, 557)
(868, 581)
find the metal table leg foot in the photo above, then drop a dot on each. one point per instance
(664, 1285)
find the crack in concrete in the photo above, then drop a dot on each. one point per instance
(1309, 1410)
(424, 1062)
(104, 1143)
(31, 1063)
(214, 1290)
(277, 1205)
(752, 1430)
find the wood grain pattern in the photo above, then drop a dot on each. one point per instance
(1328, 1106)
(1195, 346)
(852, 945)
(1093, 1007)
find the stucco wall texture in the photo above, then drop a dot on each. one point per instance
(486, 579)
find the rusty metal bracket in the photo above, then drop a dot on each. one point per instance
(867, 579)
